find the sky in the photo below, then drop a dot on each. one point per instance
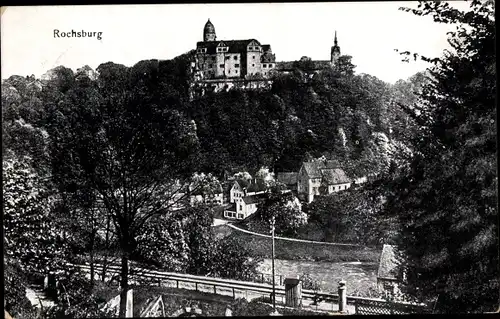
(368, 31)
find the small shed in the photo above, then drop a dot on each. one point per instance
(387, 275)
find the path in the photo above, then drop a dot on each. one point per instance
(291, 239)
(38, 298)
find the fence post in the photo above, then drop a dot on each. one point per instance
(196, 286)
(159, 282)
(262, 277)
(293, 292)
(342, 297)
(234, 294)
(177, 283)
(215, 289)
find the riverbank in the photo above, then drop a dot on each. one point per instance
(360, 277)
(260, 247)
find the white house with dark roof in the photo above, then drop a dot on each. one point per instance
(244, 207)
(315, 174)
(237, 191)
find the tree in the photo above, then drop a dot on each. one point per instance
(164, 244)
(233, 259)
(447, 200)
(33, 242)
(285, 208)
(113, 138)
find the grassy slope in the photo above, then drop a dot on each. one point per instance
(261, 247)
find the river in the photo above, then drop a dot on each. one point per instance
(360, 277)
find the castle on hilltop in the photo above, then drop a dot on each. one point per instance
(221, 64)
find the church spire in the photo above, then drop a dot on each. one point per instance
(335, 52)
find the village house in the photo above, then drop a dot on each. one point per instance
(314, 175)
(244, 207)
(244, 197)
(242, 188)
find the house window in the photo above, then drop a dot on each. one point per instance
(210, 65)
(222, 65)
(265, 65)
(235, 71)
(218, 49)
(253, 64)
(228, 71)
(253, 57)
(270, 65)
(240, 216)
(235, 57)
(236, 65)
(227, 58)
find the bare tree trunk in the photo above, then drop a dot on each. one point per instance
(92, 261)
(124, 285)
(105, 261)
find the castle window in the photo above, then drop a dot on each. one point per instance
(236, 65)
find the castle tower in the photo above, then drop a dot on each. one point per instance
(335, 52)
(209, 32)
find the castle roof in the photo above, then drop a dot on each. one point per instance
(235, 46)
(209, 27)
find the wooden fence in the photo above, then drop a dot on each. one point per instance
(360, 305)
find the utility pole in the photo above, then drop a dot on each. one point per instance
(272, 265)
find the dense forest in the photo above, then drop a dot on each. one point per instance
(93, 159)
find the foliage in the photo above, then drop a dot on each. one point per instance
(32, 237)
(200, 239)
(232, 259)
(309, 283)
(118, 140)
(356, 215)
(447, 200)
(16, 302)
(76, 297)
(163, 243)
(285, 208)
